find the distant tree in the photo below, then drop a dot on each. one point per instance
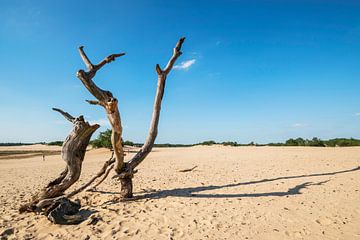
(210, 142)
(300, 141)
(291, 142)
(234, 144)
(316, 142)
(103, 140)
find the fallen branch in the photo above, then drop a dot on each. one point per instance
(188, 169)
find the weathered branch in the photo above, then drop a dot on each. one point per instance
(177, 52)
(106, 100)
(94, 102)
(108, 59)
(188, 169)
(86, 60)
(108, 165)
(99, 174)
(65, 114)
(73, 152)
(162, 75)
(105, 176)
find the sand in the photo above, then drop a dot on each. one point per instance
(234, 193)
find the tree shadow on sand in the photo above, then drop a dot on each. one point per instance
(194, 191)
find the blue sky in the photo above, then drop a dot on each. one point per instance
(260, 71)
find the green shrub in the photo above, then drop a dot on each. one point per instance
(103, 140)
(207, 143)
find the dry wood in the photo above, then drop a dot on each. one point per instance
(125, 172)
(106, 100)
(162, 75)
(188, 169)
(52, 199)
(108, 165)
(127, 175)
(105, 176)
(73, 152)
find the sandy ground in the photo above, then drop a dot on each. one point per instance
(234, 193)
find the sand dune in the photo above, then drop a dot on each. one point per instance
(234, 193)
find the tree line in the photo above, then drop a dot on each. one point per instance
(104, 140)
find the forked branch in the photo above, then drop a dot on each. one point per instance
(106, 100)
(162, 75)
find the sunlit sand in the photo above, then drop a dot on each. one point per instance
(233, 193)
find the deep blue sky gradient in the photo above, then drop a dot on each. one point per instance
(264, 71)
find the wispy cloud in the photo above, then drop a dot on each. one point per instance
(185, 65)
(357, 114)
(104, 122)
(299, 125)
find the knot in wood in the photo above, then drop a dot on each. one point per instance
(111, 104)
(80, 73)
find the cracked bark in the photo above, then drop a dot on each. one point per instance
(73, 152)
(106, 100)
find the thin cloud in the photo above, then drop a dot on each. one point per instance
(357, 114)
(104, 122)
(185, 65)
(299, 125)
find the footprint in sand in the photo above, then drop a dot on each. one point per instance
(324, 221)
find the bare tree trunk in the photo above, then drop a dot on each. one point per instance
(73, 152)
(125, 172)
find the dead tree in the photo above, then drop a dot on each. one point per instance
(74, 147)
(125, 171)
(73, 152)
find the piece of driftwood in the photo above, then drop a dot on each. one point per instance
(73, 152)
(188, 169)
